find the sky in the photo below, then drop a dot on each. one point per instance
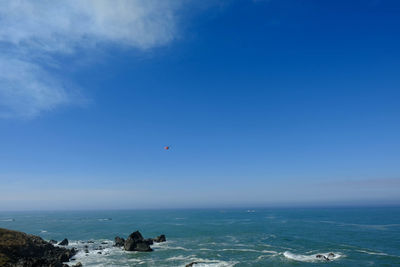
(263, 103)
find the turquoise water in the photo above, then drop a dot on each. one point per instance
(231, 237)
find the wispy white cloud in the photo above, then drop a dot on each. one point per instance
(26, 89)
(34, 33)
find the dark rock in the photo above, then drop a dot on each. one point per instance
(99, 252)
(119, 241)
(90, 242)
(104, 243)
(319, 256)
(159, 239)
(136, 242)
(143, 246)
(52, 241)
(79, 264)
(64, 242)
(191, 264)
(20, 249)
(149, 241)
(86, 251)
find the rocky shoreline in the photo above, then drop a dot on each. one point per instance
(18, 249)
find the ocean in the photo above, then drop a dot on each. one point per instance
(225, 237)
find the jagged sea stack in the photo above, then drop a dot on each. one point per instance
(136, 242)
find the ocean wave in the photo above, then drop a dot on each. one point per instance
(114, 256)
(104, 219)
(312, 258)
(373, 253)
(180, 258)
(368, 226)
(241, 249)
(110, 256)
(270, 251)
(178, 248)
(262, 257)
(7, 220)
(215, 264)
(378, 253)
(201, 262)
(167, 246)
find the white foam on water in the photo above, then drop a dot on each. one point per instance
(110, 256)
(269, 251)
(168, 246)
(7, 220)
(114, 256)
(179, 248)
(266, 245)
(200, 262)
(240, 245)
(180, 258)
(104, 219)
(373, 253)
(311, 258)
(214, 263)
(240, 249)
(176, 224)
(259, 258)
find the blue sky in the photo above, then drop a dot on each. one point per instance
(264, 103)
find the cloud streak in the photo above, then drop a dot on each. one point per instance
(34, 33)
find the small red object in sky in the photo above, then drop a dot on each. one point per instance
(166, 147)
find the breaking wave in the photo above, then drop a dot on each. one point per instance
(312, 258)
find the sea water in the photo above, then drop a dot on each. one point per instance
(225, 237)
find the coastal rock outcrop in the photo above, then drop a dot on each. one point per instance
(149, 241)
(327, 258)
(193, 263)
(136, 242)
(20, 249)
(119, 241)
(64, 242)
(159, 239)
